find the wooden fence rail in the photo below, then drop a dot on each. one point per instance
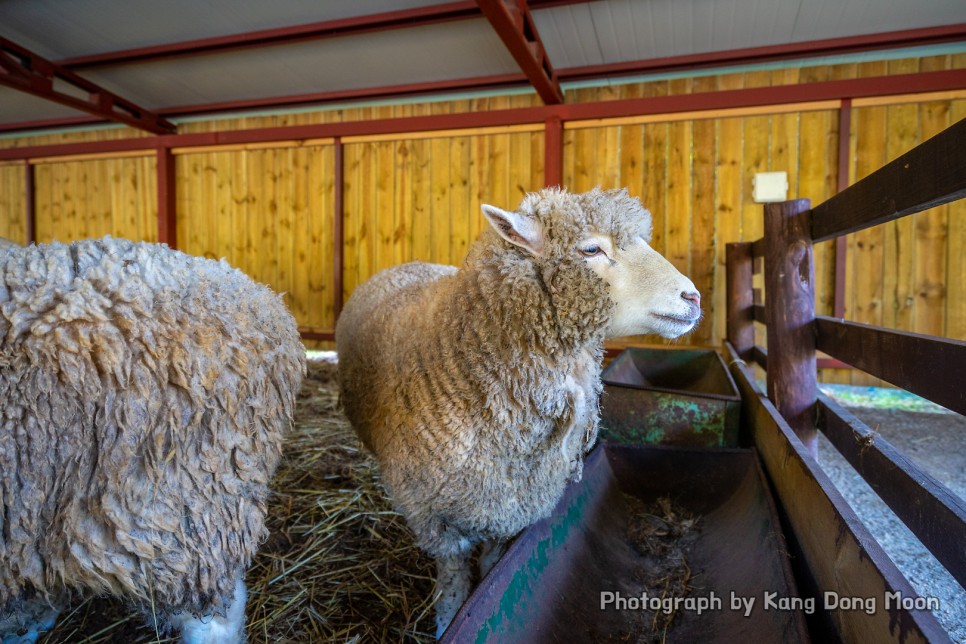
(931, 174)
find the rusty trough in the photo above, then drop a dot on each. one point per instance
(669, 397)
(551, 583)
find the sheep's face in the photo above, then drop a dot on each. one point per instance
(608, 233)
(649, 294)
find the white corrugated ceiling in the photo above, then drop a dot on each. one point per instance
(575, 35)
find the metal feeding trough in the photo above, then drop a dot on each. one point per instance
(671, 397)
(561, 578)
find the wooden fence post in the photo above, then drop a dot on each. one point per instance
(740, 328)
(790, 310)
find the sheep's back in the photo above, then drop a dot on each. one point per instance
(382, 321)
(145, 393)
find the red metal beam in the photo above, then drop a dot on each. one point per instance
(325, 336)
(715, 59)
(751, 55)
(841, 243)
(167, 198)
(553, 152)
(30, 201)
(338, 233)
(24, 70)
(706, 101)
(416, 17)
(74, 121)
(514, 25)
(319, 98)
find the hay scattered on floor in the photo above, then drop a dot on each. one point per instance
(339, 565)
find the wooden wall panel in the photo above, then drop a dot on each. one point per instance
(420, 199)
(955, 283)
(90, 199)
(268, 213)
(696, 179)
(13, 206)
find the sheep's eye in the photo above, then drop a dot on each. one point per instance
(591, 251)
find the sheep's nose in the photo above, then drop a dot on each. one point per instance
(693, 298)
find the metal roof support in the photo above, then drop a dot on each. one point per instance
(167, 197)
(513, 23)
(23, 70)
(553, 152)
(710, 102)
(30, 200)
(367, 23)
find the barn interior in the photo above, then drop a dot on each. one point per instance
(313, 144)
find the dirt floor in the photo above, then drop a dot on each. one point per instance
(936, 441)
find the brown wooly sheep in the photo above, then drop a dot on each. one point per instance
(144, 394)
(477, 389)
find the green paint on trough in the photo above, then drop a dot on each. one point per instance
(514, 604)
(670, 397)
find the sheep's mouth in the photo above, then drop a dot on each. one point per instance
(678, 319)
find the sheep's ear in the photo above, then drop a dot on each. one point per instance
(516, 228)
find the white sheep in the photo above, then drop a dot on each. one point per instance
(7, 244)
(144, 394)
(477, 389)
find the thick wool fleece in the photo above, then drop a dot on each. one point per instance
(477, 388)
(144, 394)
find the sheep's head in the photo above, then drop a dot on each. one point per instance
(598, 242)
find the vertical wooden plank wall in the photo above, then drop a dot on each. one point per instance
(419, 199)
(906, 275)
(269, 211)
(12, 180)
(84, 199)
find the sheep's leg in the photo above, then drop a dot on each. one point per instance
(32, 618)
(490, 554)
(452, 584)
(229, 629)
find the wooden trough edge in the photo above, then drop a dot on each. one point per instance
(838, 552)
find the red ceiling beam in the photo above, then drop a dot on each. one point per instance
(417, 17)
(752, 55)
(514, 25)
(339, 96)
(706, 101)
(915, 37)
(284, 102)
(23, 70)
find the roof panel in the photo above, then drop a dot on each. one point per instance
(568, 36)
(18, 107)
(820, 20)
(371, 60)
(611, 31)
(62, 29)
